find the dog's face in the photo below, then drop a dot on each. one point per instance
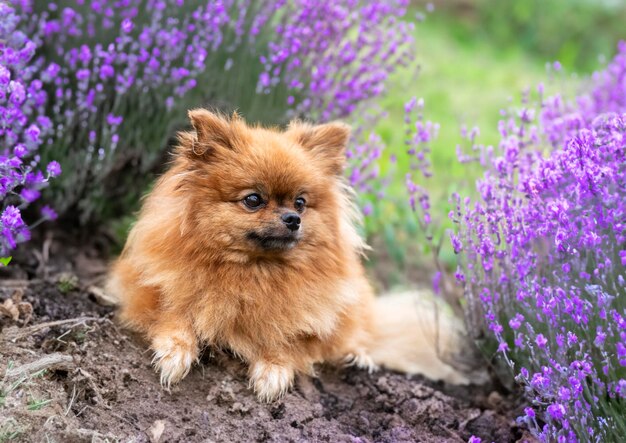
(257, 192)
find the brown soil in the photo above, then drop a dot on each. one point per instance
(92, 381)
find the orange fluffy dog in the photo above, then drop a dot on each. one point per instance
(248, 242)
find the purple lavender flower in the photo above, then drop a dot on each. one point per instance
(13, 230)
(419, 134)
(367, 209)
(30, 195)
(53, 169)
(437, 282)
(23, 128)
(556, 411)
(5, 75)
(541, 341)
(48, 213)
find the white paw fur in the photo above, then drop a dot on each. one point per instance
(361, 360)
(172, 360)
(270, 381)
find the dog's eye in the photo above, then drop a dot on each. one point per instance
(253, 201)
(299, 204)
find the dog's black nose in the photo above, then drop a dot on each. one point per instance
(291, 220)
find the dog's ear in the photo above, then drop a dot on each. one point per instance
(213, 132)
(327, 142)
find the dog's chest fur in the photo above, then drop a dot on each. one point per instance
(276, 308)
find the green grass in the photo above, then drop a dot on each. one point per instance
(6, 388)
(67, 283)
(9, 430)
(24, 381)
(35, 404)
(461, 82)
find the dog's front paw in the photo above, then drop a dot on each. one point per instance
(361, 360)
(173, 357)
(270, 381)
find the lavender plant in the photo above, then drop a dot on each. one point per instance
(347, 48)
(544, 256)
(23, 127)
(111, 82)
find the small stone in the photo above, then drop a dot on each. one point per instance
(156, 431)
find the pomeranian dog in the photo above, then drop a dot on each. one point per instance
(249, 242)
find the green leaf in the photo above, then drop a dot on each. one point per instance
(4, 261)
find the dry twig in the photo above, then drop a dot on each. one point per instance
(15, 334)
(51, 361)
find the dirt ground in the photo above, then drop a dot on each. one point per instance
(68, 373)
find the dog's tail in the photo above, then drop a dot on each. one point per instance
(418, 334)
